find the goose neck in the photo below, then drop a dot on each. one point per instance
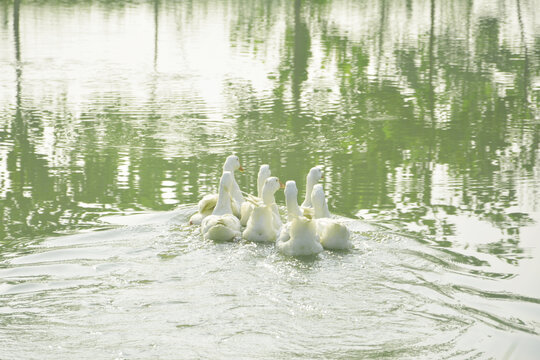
(309, 189)
(260, 183)
(223, 205)
(268, 196)
(320, 209)
(293, 210)
(236, 194)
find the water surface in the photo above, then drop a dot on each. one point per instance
(424, 115)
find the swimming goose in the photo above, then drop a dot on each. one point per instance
(298, 236)
(208, 202)
(222, 225)
(333, 235)
(264, 223)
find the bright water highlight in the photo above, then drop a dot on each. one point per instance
(115, 118)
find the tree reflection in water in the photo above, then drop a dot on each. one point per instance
(422, 113)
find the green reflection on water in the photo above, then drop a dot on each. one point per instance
(414, 124)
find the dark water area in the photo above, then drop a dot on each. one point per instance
(424, 116)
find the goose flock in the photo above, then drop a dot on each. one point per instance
(231, 214)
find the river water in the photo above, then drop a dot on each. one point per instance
(116, 117)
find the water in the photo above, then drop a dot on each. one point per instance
(115, 118)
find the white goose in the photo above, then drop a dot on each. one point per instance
(208, 202)
(313, 177)
(264, 223)
(333, 235)
(298, 236)
(248, 206)
(222, 225)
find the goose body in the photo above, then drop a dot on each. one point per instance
(260, 226)
(298, 236)
(207, 204)
(332, 234)
(204, 208)
(222, 225)
(264, 223)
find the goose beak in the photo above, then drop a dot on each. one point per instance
(241, 168)
(281, 185)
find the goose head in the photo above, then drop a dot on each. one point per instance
(232, 163)
(315, 175)
(291, 191)
(271, 185)
(264, 172)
